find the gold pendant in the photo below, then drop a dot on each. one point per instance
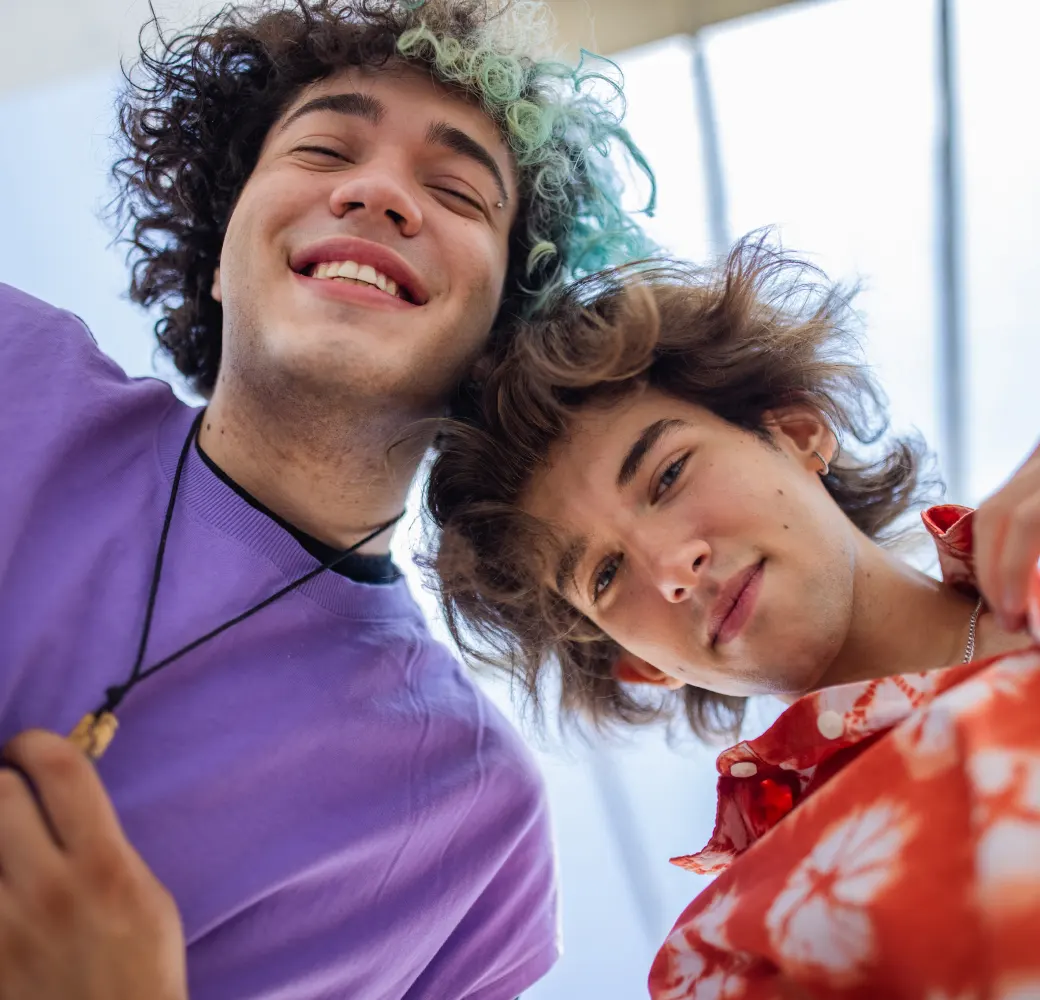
(94, 733)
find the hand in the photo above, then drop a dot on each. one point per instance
(1007, 547)
(81, 915)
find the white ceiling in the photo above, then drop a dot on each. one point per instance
(45, 40)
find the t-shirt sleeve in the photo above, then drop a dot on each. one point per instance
(509, 939)
(51, 369)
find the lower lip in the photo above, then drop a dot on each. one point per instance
(742, 610)
(357, 295)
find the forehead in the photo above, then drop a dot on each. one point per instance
(577, 486)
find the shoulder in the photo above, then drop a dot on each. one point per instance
(52, 370)
(23, 315)
(47, 350)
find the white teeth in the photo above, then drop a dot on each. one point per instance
(357, 274)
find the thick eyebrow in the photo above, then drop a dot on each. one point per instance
(454, 139)
(358, 105)
(637, 453)
(572, 556)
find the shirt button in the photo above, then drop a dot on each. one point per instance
(830, 724)
(743, 769)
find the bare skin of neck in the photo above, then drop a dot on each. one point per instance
(324, 468)
(903, 621)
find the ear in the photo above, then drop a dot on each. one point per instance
(631, 669)
(215, 287)
(804, 434)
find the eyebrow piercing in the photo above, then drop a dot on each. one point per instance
(500, 204)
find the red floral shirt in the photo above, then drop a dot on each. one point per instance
(888, 836)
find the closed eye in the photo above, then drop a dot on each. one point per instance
(322, 151)
(471, 202)
(668, 478)
(604, 576)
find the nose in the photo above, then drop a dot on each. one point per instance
(681, 569)
(379, 191)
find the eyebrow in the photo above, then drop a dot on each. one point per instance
(637, 453)
(455, 140)
(372, 110)
(572, 556)
(357, 105)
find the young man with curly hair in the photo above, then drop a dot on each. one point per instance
(677, 493)
(333, 204)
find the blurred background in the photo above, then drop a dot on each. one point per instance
(891, 140)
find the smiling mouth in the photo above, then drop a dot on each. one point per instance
(731, 618)
(352, 273)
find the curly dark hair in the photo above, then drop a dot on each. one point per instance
(197, 107)
(764, 331)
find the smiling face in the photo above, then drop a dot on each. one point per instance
(367, 252)
(714, 556)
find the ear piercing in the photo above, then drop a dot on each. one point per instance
(825, 471)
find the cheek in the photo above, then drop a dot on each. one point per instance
(477, 261)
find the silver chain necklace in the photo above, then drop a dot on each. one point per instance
(969, 650)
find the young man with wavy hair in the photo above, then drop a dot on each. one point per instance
(679, 492)
(333, 205)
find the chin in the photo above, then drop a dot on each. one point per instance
(781, 670)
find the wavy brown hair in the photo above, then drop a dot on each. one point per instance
(765, 330)
(198, 105)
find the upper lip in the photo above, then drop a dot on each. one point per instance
(363, 252)
(727, 599)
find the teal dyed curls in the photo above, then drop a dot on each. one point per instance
(561, 122)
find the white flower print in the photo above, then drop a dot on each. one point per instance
(820, 921)
(685, 968)
(719, 986)
(693, 976)
(713, 973)
(710, 924)
(927, 741)
(928, 738)
(1006, 813)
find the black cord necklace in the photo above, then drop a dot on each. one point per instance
(95, 730)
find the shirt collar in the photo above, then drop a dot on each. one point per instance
(763, 779)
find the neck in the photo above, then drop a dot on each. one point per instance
(329, 472)
(903, 621)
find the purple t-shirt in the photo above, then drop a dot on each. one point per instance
(337, 810)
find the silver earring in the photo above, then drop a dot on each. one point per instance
(500, 204)
(826, 470)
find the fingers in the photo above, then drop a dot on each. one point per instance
(1007, 544)
(990, 530)
(28, 852)
(1018, 558)
(70, 791)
